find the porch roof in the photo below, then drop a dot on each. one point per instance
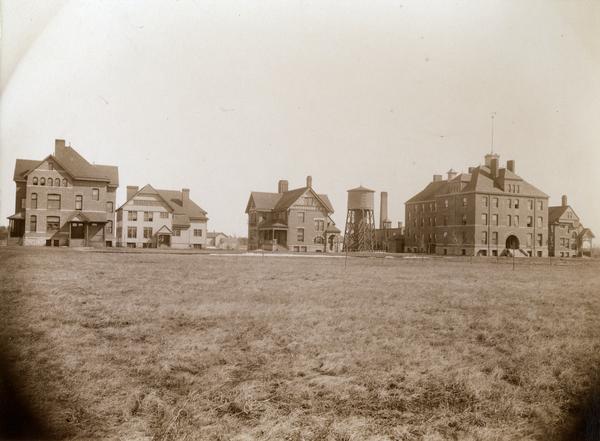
(164, 230)
(273, 226)
(87, 216)
(17, 216)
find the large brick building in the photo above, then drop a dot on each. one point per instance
(63, 200)
(152, 218)
(488, 211)
(295, 220)
(567, 237)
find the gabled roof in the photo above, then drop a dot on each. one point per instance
(164, 230)
(586, 232)
(182, 213)
(555, 213)
(87, 216)
(74, 164)
(213, 234)
(282, 201)
(480, 180)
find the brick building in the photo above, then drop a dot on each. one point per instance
(295, 220)
(488, 211)
(152, 218)
(63, 200)
(567, 237)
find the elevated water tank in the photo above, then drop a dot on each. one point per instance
(361, 198)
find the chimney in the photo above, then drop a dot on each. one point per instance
(494, 167)
(451, 174)
(471, 169)
(564, 200)
(383, 210)
(131, 190)
(185, 196)
(59, 147)
(400, 225)
(510, 165)
(437, 178)
(489, 157)
(282, 186)
(309, 181)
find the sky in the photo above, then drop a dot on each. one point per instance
(227, 97)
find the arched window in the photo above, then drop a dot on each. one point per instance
(35, 181)
(64, 182)
(50, 182)
(319, 240)
(43, 181)
(57, 182)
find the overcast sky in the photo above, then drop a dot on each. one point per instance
(227, 97)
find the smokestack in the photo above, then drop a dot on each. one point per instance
(59, 147)
(437, 178)
(131, 190)
(494, 167)
(282, 186)
(383, 210)
(510, 165)
(185, 196)
(564, 200)
(309, 181)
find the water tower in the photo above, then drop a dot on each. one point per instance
(360, 220)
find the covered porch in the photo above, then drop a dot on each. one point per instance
(162, 238)
(272, 236)
(84, 229)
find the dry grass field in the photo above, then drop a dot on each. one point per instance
(198, 347)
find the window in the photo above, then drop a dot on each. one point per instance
(530, 204)
(540, 221)
(494, 219)
(509, 202)
(77, 230)
(35, 181)
(110, 207)
(132, 215)
(445, 203)
(33, 223)
(53, 202)
(147, 232)
(464, 237)
(530, 221)
(57, 182)
(165, 215)
(131, 232)
(318, 240)
(445, 220)
(319, 225)
(131, 245)
(529, 239)
(50, 182)
(516, 221)
(516, 203)
(508, 220)
(484, 237)
(78, 202)
(300, 234)
(464, 202)
(43, 181)
(495, 202)
(109, 227)
(495, 237)
(301, 216)
(65, 183)
(95, 194)
(33, 200)
(52, 223)
(540, 205)
(484, 201)
(148, 216)
(464, 219)
(484, 219)
(197, 232)
(176, 232)
(540, 239)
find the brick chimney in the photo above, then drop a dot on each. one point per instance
(564, 200)
(451, 174)
(185, 196)
(309, 181)
(437, 178)
(59, 147)
(131, 190)
(510, 165)
(282, 186)
(383, 210)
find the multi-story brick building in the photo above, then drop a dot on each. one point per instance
(488, 211)
(152, 218)
(567, 237)
(295, 220)
(64, 200)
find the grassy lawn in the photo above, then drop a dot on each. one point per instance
(199, 347)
